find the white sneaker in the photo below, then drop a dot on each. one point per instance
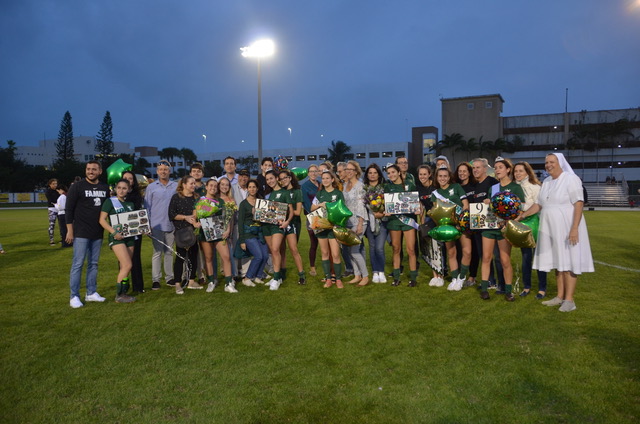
(376, 277)
(210, 287)
(458, 284)
(230, 288)
(95, 297)
(247, 282)
(382, 278)
(439, 282)
(452, 284)
(275, 284)
(75, 302)
(433, 281)
(258, 281)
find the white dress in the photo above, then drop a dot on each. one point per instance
(556, 217)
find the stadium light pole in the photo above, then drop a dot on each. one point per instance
(259, 49)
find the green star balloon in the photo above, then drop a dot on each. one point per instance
(115, 170)
(338, 213)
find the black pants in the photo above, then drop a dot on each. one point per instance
(191, 255)
(62, 223)
(137, 282)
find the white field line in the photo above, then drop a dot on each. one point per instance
(618, 267)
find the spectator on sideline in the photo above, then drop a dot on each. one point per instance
(60, 206)
(84, 203)
(52, 197)
(156, 201)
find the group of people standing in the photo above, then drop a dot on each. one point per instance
(249, 248)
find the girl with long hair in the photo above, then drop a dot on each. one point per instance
(376, 232)
(464, 177)
(135, 196)
(289, 182)
(524, 175)
(503, 169)
(209, 248)
(329, 246)
(251, 238)
(121, 246)
(399, 230)
(225, 192)
(353, 193)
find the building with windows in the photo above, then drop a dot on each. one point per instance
(84, 149)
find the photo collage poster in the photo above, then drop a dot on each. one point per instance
(320, 213)
(434, 253)
(212, 227)
(270, 212)
(132, 223)
(481, 217)
(406, 202)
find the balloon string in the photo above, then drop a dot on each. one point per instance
(175, 252)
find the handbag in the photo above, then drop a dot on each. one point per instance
(185, 237)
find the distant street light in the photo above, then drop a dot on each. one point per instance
(259, 49)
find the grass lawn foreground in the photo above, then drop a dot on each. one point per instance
(377, 354)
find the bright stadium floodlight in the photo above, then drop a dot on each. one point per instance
(259, 49)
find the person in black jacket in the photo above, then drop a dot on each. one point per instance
(135, 196)
(84, 203)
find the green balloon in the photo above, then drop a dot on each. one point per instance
(338, 213)
(300, 173)
(115, 170)
(533, 222)
(445, 233)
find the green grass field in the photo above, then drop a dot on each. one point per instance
(378, 354)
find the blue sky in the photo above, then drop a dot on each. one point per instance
(358, 71)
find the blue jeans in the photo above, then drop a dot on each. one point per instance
(376, 247)
(527, 262)
(260, 253)
(84, 249)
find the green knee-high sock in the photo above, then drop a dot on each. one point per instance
(125, 285)
(326, 268)
(485, 285)
(276, 275)
(413, 275)
(301, 274)
(119, 288)
(210, 278)
(228, 280)
(464, 269)
(508, 288)
(454, 273)
(337, 267)
(283, 273)
(396, 273)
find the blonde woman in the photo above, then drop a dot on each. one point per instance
(353, 192)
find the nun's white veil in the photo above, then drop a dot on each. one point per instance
(563, 163)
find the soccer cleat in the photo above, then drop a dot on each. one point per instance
(302, 281)
(75, 302)
(509, 297)
(95, 297)
(484, 295)
(413, 283)
(395, 283)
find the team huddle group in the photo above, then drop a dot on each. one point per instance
(248, 249)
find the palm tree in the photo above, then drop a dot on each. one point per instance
(484, 146)
(468, 147)
(449, 143)
(338, 151)
(188, 155)
(169, 153)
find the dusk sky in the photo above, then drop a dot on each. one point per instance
(358, 71)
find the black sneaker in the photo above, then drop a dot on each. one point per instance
(413, 283)
(155, 286)
(171, 283)
(395, 283)
(484, 295)
(302, 281)
(509, 297)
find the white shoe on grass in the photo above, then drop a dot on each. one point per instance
(275, 284)
(568, 306)
(556, 301)
(376, 277)
(247, 282)
(382, 278)
(95, 297)
(75, 302)
(230, 288)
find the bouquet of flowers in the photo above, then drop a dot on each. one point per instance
(228, 210)
(374, 198)
(206, 207)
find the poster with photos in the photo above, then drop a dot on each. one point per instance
(481, 217)
(406, 202)
(212, 227)
(270, 212)
(434, 253)
(318, 213)
(132, 223)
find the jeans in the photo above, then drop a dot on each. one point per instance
(527, 261)
(158, 250)
(84, 249)
(376, 247)
(260, 253)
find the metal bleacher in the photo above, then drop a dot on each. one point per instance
(607, 194)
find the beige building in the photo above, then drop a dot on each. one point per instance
(473, 116)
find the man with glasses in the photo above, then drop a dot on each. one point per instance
(156, 201)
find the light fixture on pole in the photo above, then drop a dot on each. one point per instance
(259, 49)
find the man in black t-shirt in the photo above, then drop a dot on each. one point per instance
(84, 203)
